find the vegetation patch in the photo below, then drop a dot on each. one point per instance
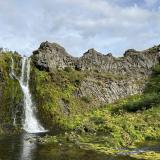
(11, 96)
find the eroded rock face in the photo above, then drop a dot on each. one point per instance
(51, 56)
(108, 91)
(133, 62)
(134, 68)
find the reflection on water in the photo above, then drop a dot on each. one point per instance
(21, 147)
(28, 146)
(25, 147)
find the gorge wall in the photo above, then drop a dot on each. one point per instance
(109, 78)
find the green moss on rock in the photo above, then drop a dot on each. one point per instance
(11, 96)
(55, 99)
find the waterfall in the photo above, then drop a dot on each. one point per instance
(12, 76)
(30, 122)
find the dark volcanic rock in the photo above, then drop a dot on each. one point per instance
(51, 56)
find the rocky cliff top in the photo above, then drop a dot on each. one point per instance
(53, 47)
(50, 56)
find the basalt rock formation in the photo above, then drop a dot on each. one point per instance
(110, 78)
(51, 56)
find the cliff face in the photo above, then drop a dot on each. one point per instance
(51, 56)
(11, 96)
(110, 78)
(133, 62)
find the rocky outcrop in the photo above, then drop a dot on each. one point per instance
(108, 91)
(133, 62)
(132, 69)
(50, 56)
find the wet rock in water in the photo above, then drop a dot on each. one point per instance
(8, 128)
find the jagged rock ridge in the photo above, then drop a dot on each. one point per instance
(50, 56)
(133, 68)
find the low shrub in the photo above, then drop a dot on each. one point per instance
(68, 69)
(86, 99)
(146, 102)
(156, 69)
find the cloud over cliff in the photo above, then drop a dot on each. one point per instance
(107, 25)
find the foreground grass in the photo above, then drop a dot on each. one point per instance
(114, 134)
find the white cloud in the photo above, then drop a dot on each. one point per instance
(150, 2)
(78, 25)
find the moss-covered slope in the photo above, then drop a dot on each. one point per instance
(11, 96)
(55, 97)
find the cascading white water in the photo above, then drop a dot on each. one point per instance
(30, 124)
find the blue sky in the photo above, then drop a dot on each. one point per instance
(106, 25)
